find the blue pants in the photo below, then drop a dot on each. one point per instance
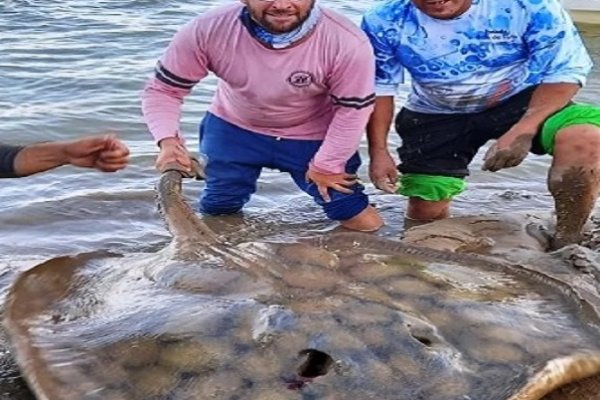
(236, 156)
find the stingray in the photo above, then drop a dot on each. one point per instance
(336, 316)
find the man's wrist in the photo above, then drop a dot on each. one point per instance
(169, 142)
(531, 122)
(524, 132)
(378, 149)
(58, 153)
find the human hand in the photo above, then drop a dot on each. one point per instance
(339, 182)
(104, 152)
(508, 151)
(382, 171)
(173, 156)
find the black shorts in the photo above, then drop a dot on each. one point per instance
(445, 144)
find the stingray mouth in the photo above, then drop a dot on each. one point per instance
(316, 363)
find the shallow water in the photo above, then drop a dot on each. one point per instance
(73, 67)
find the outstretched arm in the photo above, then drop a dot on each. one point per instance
(105, 153)
(183, 65)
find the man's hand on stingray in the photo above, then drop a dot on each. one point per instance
(174, 156)
(509, 151)
(196, 172)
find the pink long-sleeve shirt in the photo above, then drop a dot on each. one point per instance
(322, 88)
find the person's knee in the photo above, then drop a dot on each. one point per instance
(368, 220)
(343, 207)
(211, 210)
(353, 211)
(430, 188)
(578, 144)
(425, 210)
(221, 206)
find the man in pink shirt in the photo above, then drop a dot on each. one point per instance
(295, 93)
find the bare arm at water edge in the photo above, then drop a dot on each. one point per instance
(382, 169)
(389, 75)
(105, 153)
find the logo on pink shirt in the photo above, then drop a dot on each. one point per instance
(300, 79)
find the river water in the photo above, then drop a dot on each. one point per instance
(73, 67)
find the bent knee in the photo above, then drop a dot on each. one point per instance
(425, 210)
(219, 210)
(343, 207)
(368, 220)
(210, 207)
(578, 144)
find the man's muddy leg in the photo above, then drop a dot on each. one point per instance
(574, 180)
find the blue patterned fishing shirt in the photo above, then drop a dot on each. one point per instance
(495, 49)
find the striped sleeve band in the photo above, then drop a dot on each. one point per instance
(169, 78)
(354, 102)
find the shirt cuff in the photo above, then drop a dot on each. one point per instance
(7, 160)
(580, 80)
(160, 136)
(386, 90)
(326, 171)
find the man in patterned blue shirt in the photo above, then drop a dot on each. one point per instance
(481, 70)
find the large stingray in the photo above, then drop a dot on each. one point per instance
(341, 316)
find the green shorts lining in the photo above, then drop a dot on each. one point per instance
(438, 188)
(430, 187)
(574, 114)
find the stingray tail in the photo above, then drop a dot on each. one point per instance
(559, 372)
(182, 221)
